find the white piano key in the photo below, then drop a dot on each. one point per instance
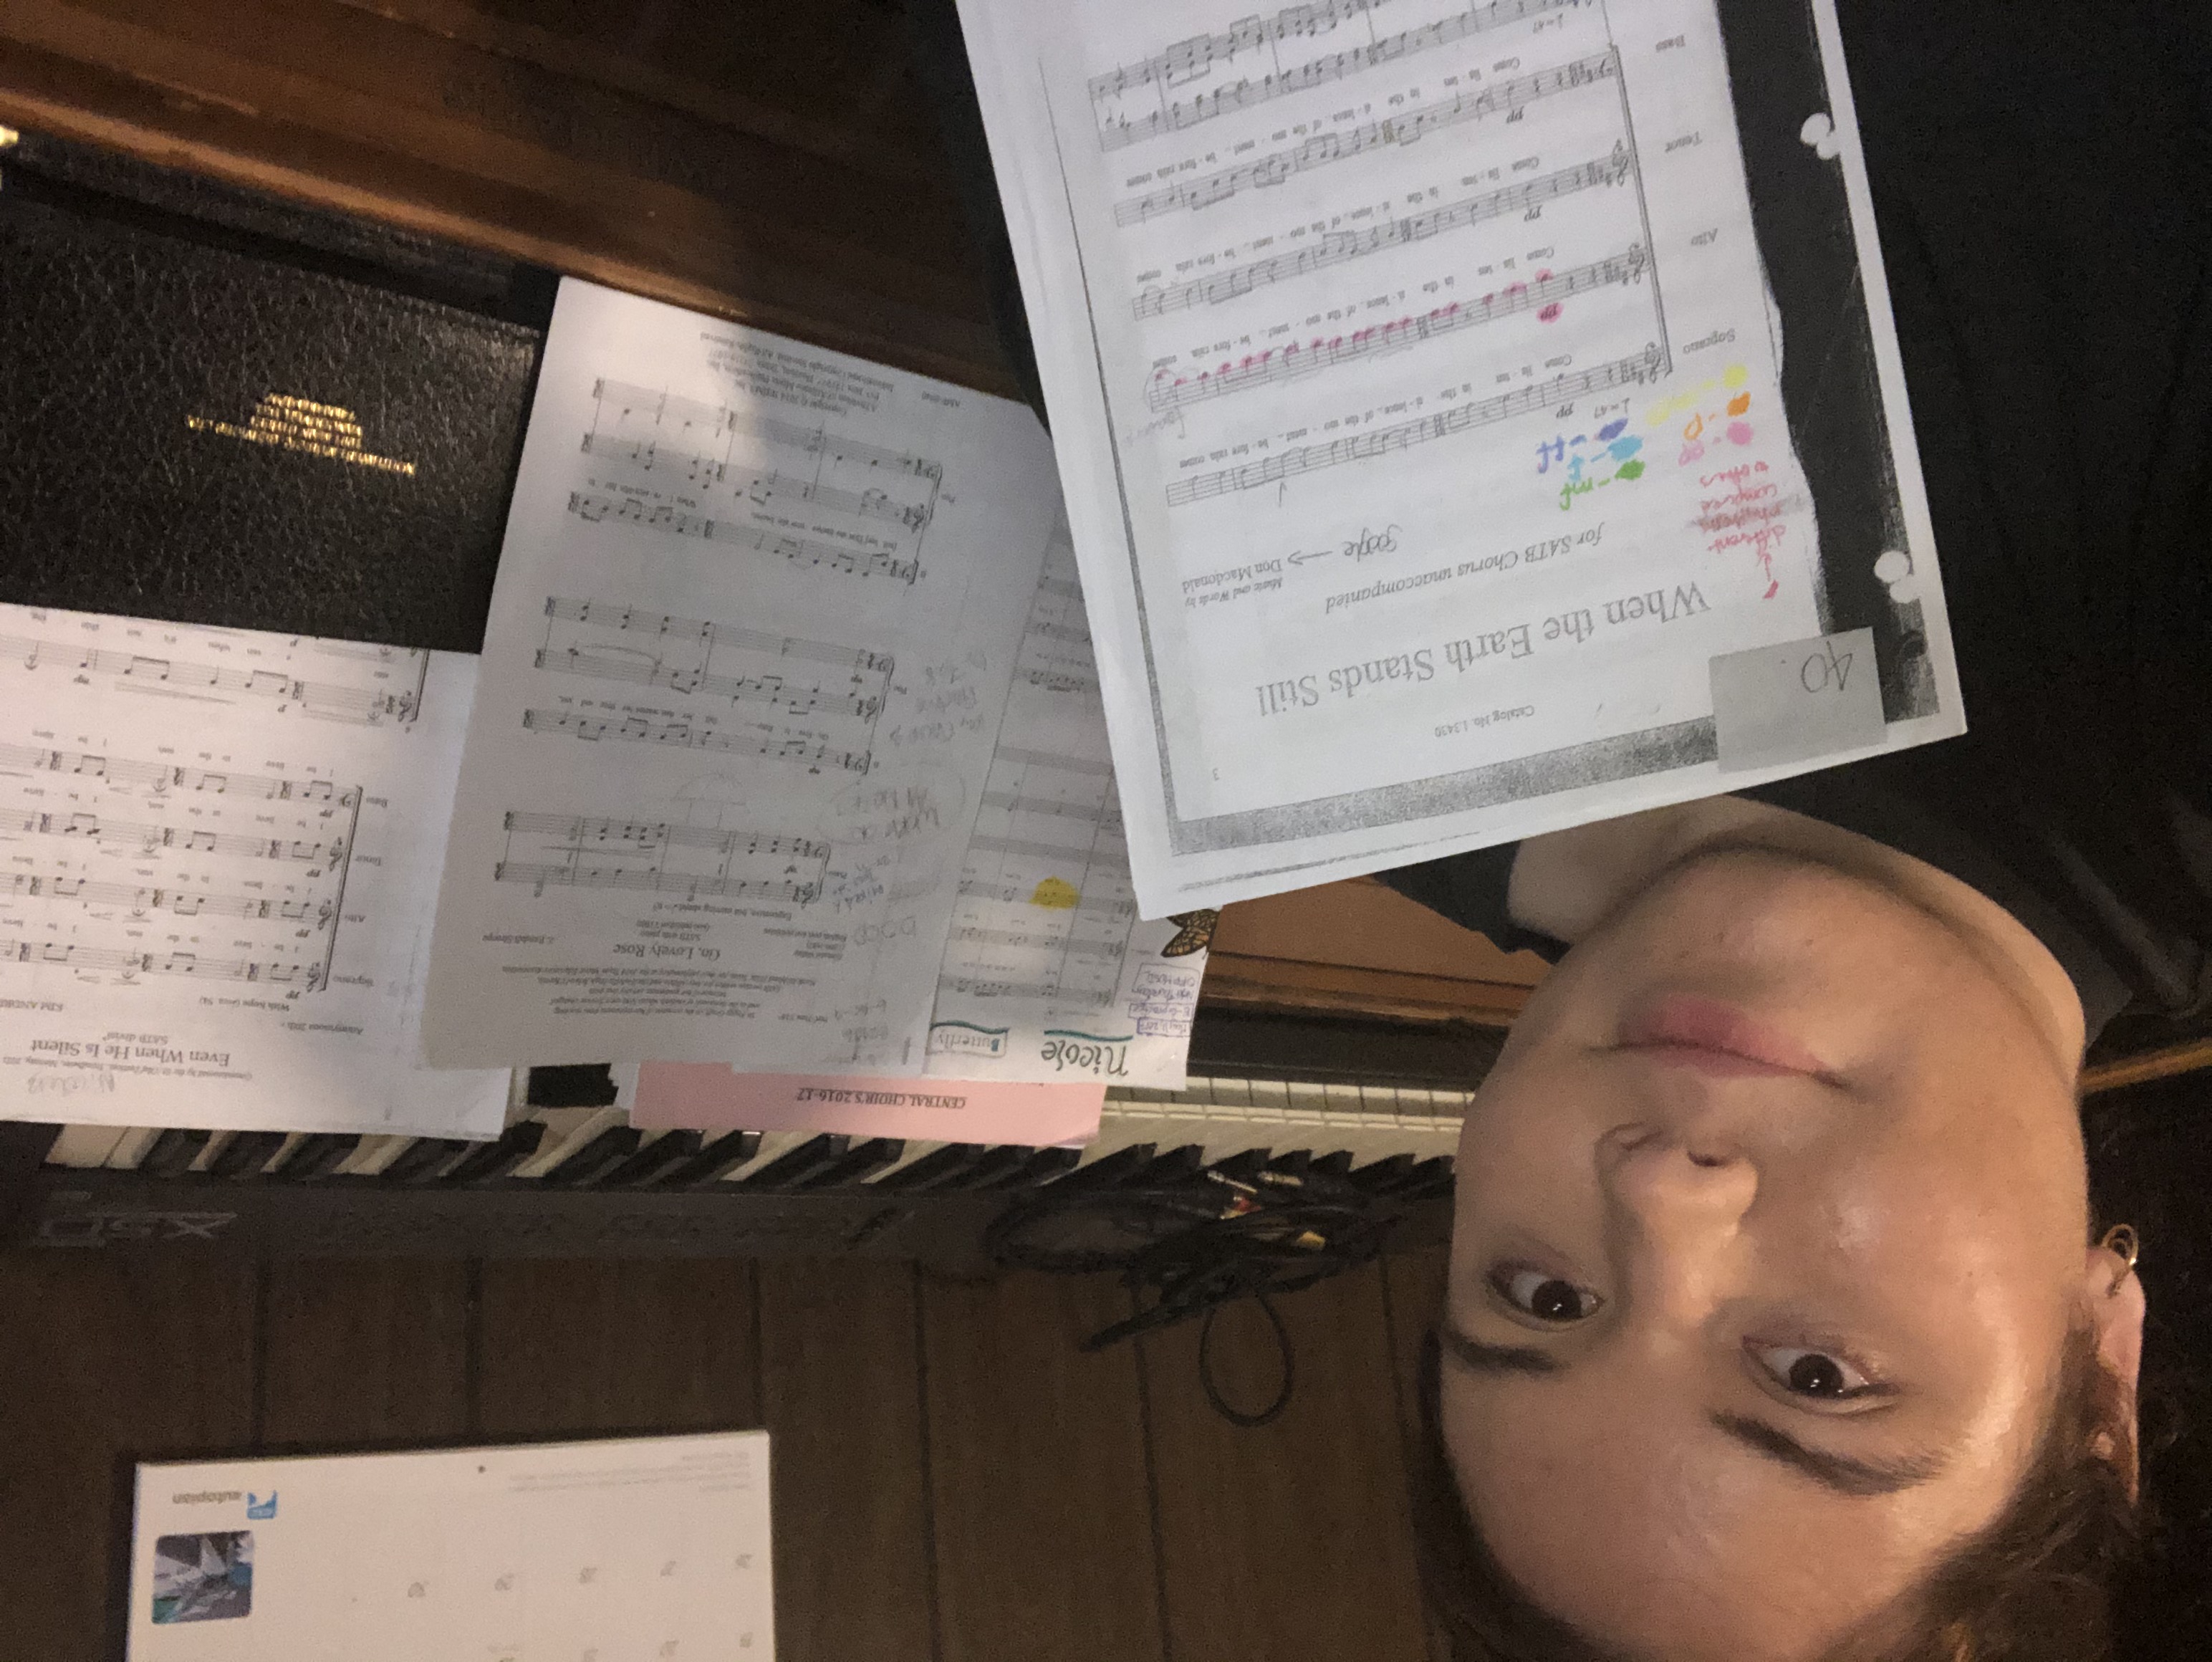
(374, 1153)
(84, 1146)
(132, 1148)
(213, 1146)
(774, 1145)
(566, 1130)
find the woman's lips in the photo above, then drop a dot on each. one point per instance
(1714, 1038)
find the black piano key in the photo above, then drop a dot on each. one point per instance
(1111, 1170)
(598, 1157)
(1245, 1167)
(418, 1162)
(496, 1159)
(997, 1165)
(317, 1156)
(788, 1170)
(1042, 1166)
(1294, 1166)
(857, 1166)
(1176, 1167)
(175, 1149)
(1384, 1174)
(1337, 1164)
(244, 1154)
(1432, 1177)
(655, 1160)
(725, 1154)
(939, 1167)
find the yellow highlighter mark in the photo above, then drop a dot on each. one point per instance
(1055, 895)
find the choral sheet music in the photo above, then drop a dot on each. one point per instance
(756, 617)
(219, 850)
(1443, 467)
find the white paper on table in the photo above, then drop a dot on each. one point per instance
(1415, 384)
(754, 618)
(646, 1547)
(1049, 975)
(218, 855)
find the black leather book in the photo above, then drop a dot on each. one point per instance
(217, 408)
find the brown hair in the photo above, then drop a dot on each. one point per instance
(2035, 1586)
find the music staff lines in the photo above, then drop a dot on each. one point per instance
(542, 877)
(682, 735)
(135, 669)
(593, 508)
(650, 835)
(1190, 60)
(1072, 945)
(1107, 859)
(1169, 392)
(581, 851)
(1644, 367)
(1324, 149)
(162, 778)
(183, 902)
(1335, 247)
(1040, 758)
(91, 828)
(601, 615)
(15, 950)
(761, 489)
(1089, 812)
(611, 664)
(721, 419)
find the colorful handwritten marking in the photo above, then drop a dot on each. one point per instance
(1613, 454)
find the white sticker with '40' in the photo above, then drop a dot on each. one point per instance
(1796, 702)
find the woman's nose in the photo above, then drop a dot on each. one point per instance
(1685, 1198)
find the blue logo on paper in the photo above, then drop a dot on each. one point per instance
(258, 1507)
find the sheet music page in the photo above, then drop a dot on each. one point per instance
(753, 625)
(218, 851)
(636, 1547)
(1048, 974)
(1416, 392)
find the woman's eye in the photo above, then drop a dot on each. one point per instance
(1813, 1373)
(1546, 1297)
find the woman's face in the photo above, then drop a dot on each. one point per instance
(1769, 1234)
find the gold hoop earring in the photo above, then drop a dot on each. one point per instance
(2121, 1239)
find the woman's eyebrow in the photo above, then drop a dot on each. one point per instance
(1497, 1358)
(1838, 1471)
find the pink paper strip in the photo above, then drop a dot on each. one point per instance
(711, 1096)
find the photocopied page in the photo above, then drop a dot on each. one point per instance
(1417, 393)
(630, 1550)
(1049, 976)
(219, 851)
(754, 625)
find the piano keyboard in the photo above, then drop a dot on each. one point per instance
(1388, 1139)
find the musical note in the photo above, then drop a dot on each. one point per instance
(161, 777)
(1169, 390)
(601, 615)
(351, 703)
(17, 950)
(574, 830)
(1337, 246)
(543, 877)
(682, 735)
(611, 665)
(1505, 96)
(762, 489)
(717, 420)
(1644, 367)
(799, 551)
(32, 885)
(1192, 59)
(93, 829)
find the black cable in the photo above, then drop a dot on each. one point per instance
(1195, 1251)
